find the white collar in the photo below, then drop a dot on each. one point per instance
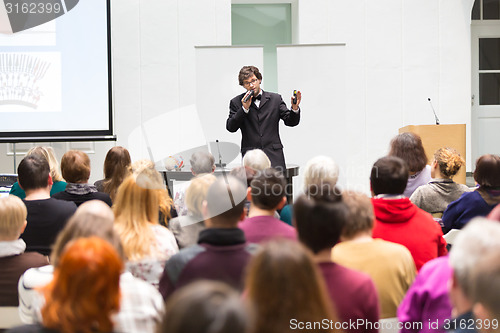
(12, 248)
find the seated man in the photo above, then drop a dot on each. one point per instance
(46, 216)
(13, 260)
(390, 265)
(319, 220)
(75, 168)
(222, 252)
(266, 195)
(397, 219)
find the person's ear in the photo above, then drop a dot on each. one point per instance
(50, 182)
(282, 203)
(21, 230)
(249, 194)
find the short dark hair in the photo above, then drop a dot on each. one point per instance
(33, 172)
(75, 166)
(226, 201)
(487, 173)
(246, 72)
(268, 189)
(408, 146)
(320, 219)
(389, 176)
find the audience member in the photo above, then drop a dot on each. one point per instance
(256, 159)
(186, 229)
(245, 175)
(13, 260)
(427, 301)
(408, 146)
(46, 216)
(397, 219)
(206, 307)
(201, 162)
(266, 195)
(141, 305)
(390, 265)
(481, 201)
(435, 196)
(84, 293)
(75, 167)
(116, 169)
(319, 220)
(287, 290)
(58, 184)
(148, 245)
(222, 252)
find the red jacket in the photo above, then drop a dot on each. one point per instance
(400, 221)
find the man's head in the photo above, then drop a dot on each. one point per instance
(202, 162)
(34, 173)
(13, 221)
(225, 202)
(75, 166)
(479, 237)
(320, 219)
(256, 159)
(320, 171)
(267, 190)
(250, 78)
(389, 176)
(487, 172)
(361, 216)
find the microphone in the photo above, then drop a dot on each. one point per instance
(435, 116)
(247, 96)
(220, 164)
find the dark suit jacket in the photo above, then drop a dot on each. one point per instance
(260, 126)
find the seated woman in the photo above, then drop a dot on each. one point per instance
(408, 147)
(85, 291)
(435, 196)
(147, 244)
(482, 200)
(116, 169)
(187, 228)
(75, 167)
(58, 182)
(287, 289)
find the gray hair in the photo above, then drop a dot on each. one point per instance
(320, 170)
(256, 159)
(479, 237)
(202, 162)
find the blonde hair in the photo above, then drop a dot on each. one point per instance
(256, 159)
(197, 192)
(136, 209)
(449, 161)
(361, 216)
(13, 214)
(319, 171)
(50, 156)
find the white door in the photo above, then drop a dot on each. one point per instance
(485, 39)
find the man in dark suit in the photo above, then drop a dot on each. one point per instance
(258, 117)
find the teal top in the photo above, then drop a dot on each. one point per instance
(286, 214)
(19, 192)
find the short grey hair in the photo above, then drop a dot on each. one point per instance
(479, 237)
(320, 170)
(256, 159)
(202, 162)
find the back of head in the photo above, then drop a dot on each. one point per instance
(92, 218)
(116, 169)
(449, 161)
(256, 159)
(361, 216)
(49, 154)
(75, 166)
(225, 202)
(244, 174)
(389, 176)
(85, 291)
(246, 72)
(320, 219)
(408, 146)
(196, 193)
(284, 282)
(202, 162)
(13, 215)
(479, 237)
(320, 171)
(216, 306)
(268, 189)
(33, 172)
(487, 173)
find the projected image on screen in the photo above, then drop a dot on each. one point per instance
(30, 82)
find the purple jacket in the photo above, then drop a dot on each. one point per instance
(261, 228)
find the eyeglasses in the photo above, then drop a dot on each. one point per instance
(246, 84)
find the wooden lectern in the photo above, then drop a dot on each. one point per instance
(438, 136)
